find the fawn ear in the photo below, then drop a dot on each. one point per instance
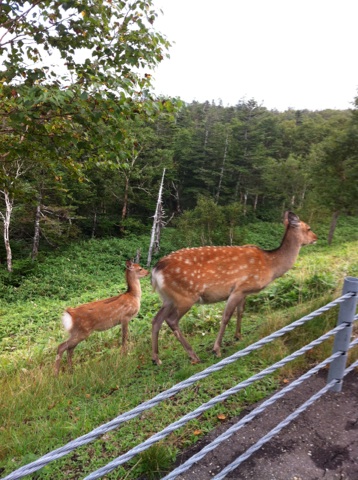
(291, 219)
(129, 264)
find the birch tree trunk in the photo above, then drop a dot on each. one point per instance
(36, 241)
(9, 203)
(8, 197)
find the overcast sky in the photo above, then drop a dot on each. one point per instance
(283, 53)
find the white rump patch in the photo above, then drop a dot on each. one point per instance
(67, 321)
(157, 280)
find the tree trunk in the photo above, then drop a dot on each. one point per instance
(231, 234)
(158, 229)
(245, 203)
(332, 227)
(125, 199)
(36, 241)
(94, 224)
(177, 198)
(9, 202)
(222, 168)
(157, 223)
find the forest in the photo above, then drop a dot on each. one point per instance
(225, 166)
(82, 150)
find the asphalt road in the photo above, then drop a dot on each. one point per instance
(322, 443)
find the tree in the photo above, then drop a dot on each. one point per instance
(76, 112)
(10, 175)
(105, 50)
(335, 175)
(286, 180)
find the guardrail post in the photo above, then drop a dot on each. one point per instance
(342, 339)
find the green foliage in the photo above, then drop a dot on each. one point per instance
(119, 37)
(209, 224)
(289, 290)
(94, 165)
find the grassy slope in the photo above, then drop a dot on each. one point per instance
(40, 413)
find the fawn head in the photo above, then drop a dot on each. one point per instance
(135, 267)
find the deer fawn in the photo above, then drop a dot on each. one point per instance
(100, 315)
(214, 274)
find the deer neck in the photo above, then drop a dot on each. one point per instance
(133, 283)
(284, 257)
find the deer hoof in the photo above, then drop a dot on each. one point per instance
(195, 361)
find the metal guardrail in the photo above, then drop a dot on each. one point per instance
(342, 332)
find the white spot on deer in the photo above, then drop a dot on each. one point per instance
(178, 270)
(252, 260)
(256, 277)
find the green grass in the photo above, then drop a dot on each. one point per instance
(40, 412)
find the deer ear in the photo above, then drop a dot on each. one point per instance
(291, 219)
(128, 263)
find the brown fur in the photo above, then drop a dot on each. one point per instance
(103, 314)
(214, 274)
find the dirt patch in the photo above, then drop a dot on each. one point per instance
(322, 443)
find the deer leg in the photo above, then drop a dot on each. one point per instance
(69, 357)
(239, 312)
(173, 322)
(124, 337)
(69, 345)
(231, 304)
(156, 324)
(60, 350)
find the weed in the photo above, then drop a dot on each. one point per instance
(155, 461)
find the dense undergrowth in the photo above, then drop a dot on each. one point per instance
(40, 412)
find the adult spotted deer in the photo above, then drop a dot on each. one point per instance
(100, 315)
(214, 274)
